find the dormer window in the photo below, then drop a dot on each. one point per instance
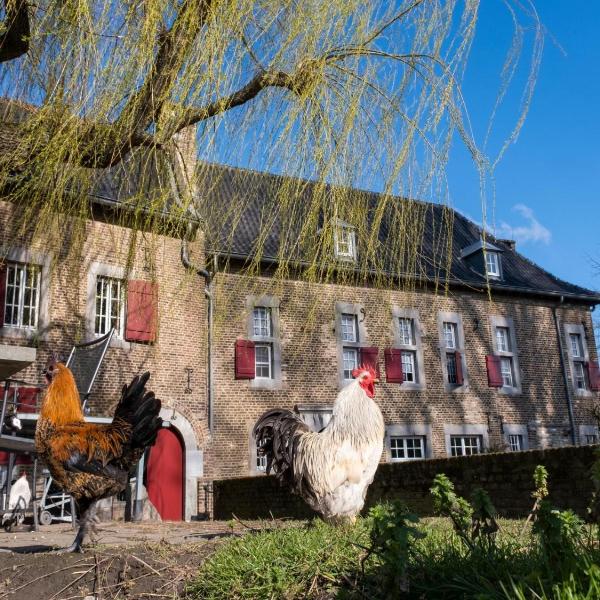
(492, 264)
(345, 241)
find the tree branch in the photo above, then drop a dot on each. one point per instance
(14, 30)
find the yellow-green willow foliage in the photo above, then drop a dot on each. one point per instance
(344, 92)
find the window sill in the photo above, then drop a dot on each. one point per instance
(20, 333)
(265, 384)
(416, 387)
(583, 393)
(115, 342)
(510, 391)
(453, 388)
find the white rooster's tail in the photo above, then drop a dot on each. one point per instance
(277, 434)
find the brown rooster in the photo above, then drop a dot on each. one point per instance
(92, 461)
(332, 469)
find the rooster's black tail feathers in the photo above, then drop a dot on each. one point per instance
(140, 409)
(277, 434)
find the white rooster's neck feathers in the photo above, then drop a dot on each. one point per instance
(355, 415)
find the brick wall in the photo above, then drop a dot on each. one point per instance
(310, 362)
(507, 477)
(181, 338)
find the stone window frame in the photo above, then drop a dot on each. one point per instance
(95, 270)
(359, 311)
(514, 429)
(417, 347)
(579, 329)
(585, 430)
(43, 261)
(456, 318)
(273, 303)
(508, 323)
(423, 430)
(451, 430)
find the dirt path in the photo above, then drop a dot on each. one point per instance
(141, 561)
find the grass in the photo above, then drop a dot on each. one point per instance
(322, 562)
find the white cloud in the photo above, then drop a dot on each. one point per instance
(533, 231)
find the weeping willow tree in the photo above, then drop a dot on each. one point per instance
(346, 93)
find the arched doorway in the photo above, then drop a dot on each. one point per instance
(165, 477)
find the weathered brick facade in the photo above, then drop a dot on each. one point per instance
(309, 364)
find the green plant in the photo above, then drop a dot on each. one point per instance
(484, 525)
(392, 537)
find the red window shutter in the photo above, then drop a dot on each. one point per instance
(494, 372)
(2, 292)
(27, 399)
(393, 366)
(142, 311)
(23, 459)
(368, 358)
(594, 376)
(459, 370)
(3, 457)
(244, 359)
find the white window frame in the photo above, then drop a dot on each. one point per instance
(408, 430)
(107, 318)
(42, 262)
(344, 237)
(493, 266)
(23, 272)
(316, 416)
(415, 348)
(575, 360)
(478, 430)
(455, 319)
(507, 323)
(515, 429)
(261, 461)
(465, 442)
(272, 341)
(404, 442)
(269, 362)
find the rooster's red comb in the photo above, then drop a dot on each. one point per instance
(362, 368)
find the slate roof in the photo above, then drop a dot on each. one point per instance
(243, 214)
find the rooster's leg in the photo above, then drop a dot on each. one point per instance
(87, 512)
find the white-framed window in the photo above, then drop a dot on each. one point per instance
(506, 369)
(592, 438)
(345, 241)
(263, 361)
(350, 335)
(22, 300)
(452, 344)
(406, 331)
(110, 306)
(261, 320)
(503, 339)
(515, 442)
(317, 417)
(465, 445)
(349, 327)
(261, 459)
(505, 347)
(407, 339)
(450, 335)
(578, 357)
(409, 371)
(492, 263)
(407, 447)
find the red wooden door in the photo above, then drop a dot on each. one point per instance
(164, 475)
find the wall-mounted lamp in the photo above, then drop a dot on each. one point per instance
(189, 371)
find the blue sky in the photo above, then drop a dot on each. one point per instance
(548, 183)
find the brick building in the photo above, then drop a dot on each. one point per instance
(488, 353)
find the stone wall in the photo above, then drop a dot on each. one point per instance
(507, 477)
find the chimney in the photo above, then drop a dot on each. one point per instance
(512, 244)
(186, 152)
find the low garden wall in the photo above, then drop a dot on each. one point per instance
(507, 477)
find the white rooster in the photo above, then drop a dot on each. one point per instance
(332, 469)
